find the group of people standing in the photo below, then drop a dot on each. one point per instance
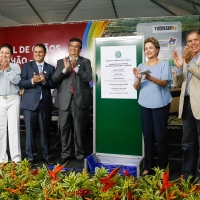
(155, 98)
(71, 78)
(36, 79)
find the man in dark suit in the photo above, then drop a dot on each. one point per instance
(74, 98)
(37, 102)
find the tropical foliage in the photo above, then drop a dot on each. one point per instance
(19, 181)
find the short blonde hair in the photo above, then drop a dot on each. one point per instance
(154, 41)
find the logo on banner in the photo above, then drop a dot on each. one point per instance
(166, 28)
(172, 42)
(118, 54)
(168, 44)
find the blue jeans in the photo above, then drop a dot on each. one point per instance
(190, 142)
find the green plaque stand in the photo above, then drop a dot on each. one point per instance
(117, 129)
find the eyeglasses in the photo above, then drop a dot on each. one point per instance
(72, 46)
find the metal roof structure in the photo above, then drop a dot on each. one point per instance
(26, 12)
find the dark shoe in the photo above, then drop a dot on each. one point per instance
(57, 144)
(49, 161)
(81, 162)
(63, 161)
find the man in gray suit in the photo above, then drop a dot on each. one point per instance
(74, 98)
(188, 76)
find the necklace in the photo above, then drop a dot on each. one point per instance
(152, 64)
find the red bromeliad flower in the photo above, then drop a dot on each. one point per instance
(111, 175)
(107, 182)
(53, 173)
(58, 168)
(34, 172)
(129, 195)
(166, 184)
(126, 173)
(108, 186)
(83, 192)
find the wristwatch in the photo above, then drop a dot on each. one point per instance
(9, 69)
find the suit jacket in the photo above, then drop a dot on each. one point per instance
(31, 96)
(194, 87)
(82, 91)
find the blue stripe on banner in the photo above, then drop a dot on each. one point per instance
(85, 38)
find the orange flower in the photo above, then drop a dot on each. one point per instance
(171, 196)
(46, 193)
(111, 175)
(12, 190)
(3, 165)
(129, 195)
(53, 173)
(166, 184)
(107, 182)
(117, 196)
(12, 175)
(135, 197)
(108, 185)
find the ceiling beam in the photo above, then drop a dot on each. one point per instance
(113, 4)
(9, 18)
(163, 7)
(70, 12)
(35, 11)
(194, 4)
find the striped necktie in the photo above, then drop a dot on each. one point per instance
(40, 70)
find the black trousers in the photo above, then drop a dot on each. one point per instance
(80, 119)
(154, 125)
(31, 118)
(190, 142)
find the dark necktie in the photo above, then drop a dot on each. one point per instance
(72, 80)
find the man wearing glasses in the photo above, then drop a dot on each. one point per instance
(74, 98)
